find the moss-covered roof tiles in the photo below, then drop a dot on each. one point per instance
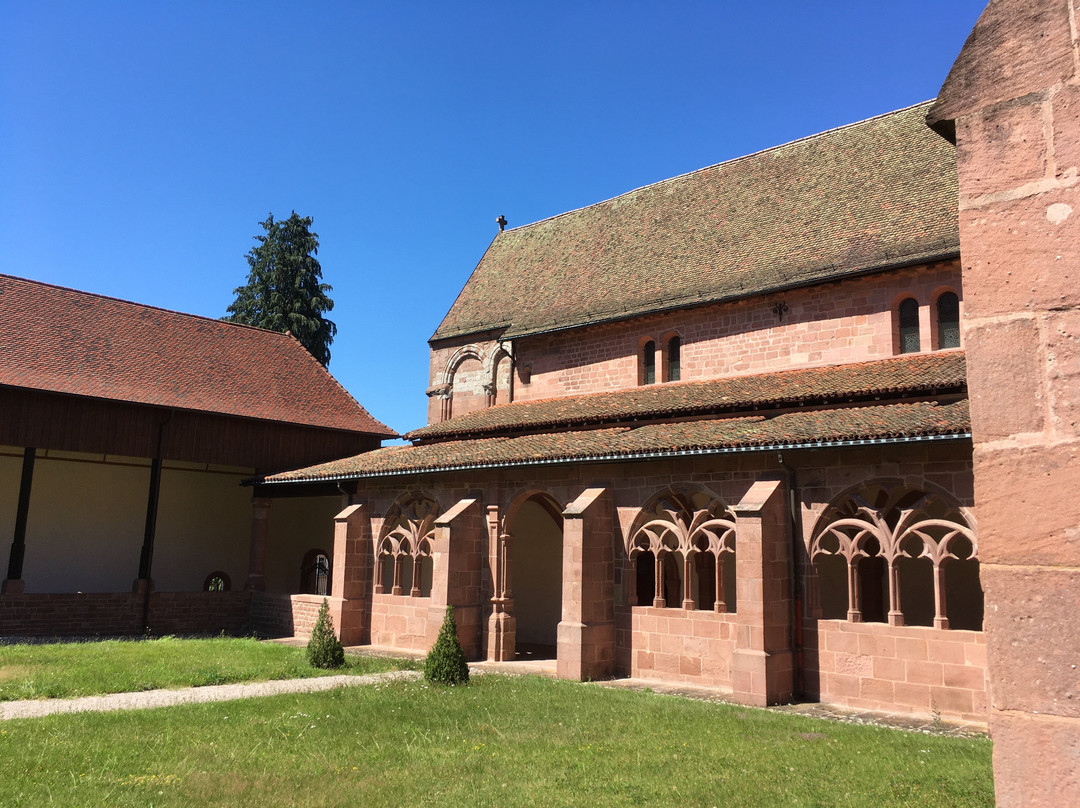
(901, 375)
(787, 429)
(862, 197)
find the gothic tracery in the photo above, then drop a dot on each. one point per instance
(894, 523)
(691, 529)
(405, 546)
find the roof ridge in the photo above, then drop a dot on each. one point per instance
(732, 161)
(99, 296)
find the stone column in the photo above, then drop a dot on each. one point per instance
(586, 633)
(350, 601)
(502, 627)
(455, 574)
(1011, 104)
(763, 663)
(260, 532)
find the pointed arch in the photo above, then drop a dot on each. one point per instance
(687, 534)
(883, 530)
(403, 549)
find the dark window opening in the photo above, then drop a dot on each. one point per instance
(315, 573)
(674, 359)
(645, 578)
(217, 582)
(948, 315)
(648, 363)
(909, 326)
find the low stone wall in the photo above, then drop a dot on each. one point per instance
(911, 669)
(281, 615)
(400, 621)
(199, 612)
(305, 609)
(93, 614)
(682, 646)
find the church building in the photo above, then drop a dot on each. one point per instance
(712, 431)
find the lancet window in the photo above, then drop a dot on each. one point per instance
(908, 314)
(891, 553)
(683, 552)
(404, 550)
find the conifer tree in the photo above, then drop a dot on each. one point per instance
(284, 290)
(445, 663)
(324, 649)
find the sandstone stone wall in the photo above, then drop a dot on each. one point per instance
(1013, 99)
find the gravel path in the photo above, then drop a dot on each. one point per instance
(35, 708)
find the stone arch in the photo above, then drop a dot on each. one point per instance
(647, 350)
(671, 349)
(460, 355)
(465, 381)
(499, 371)
(947, 335)
(686, 533)
(533, 534)
(907, 323)
(403, 550)
(315, 572)
(894, 540)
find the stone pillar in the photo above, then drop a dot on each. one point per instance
(455, 574)
(260, 533)
(350, 601)
(502, 627)
(586, 633)
(1011, 103)
(763, 663)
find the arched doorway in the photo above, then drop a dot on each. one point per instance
(536, 528)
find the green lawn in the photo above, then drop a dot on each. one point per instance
(500, 741)
(117, 666)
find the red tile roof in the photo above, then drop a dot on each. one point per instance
(910, 374)
(924, 419)
(866, 196)
(65, 341)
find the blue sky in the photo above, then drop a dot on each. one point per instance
(142, 143)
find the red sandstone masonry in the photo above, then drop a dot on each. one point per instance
(682, 646)
(282, 615)
(400, 621)
(911, 669)
(846, 321)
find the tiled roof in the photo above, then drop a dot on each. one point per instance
(786, 430)
(865, 196)
(65, 341)
(913, 373)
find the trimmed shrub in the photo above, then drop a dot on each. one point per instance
(323, 649)
(445, 663)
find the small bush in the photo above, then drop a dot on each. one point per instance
(445, 663)
(323, 649)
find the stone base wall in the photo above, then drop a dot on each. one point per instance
(305, 610)
(200, 612)
(695, 647)
(280, 615)
(910, 669)
(123, 614)
(400, 621)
